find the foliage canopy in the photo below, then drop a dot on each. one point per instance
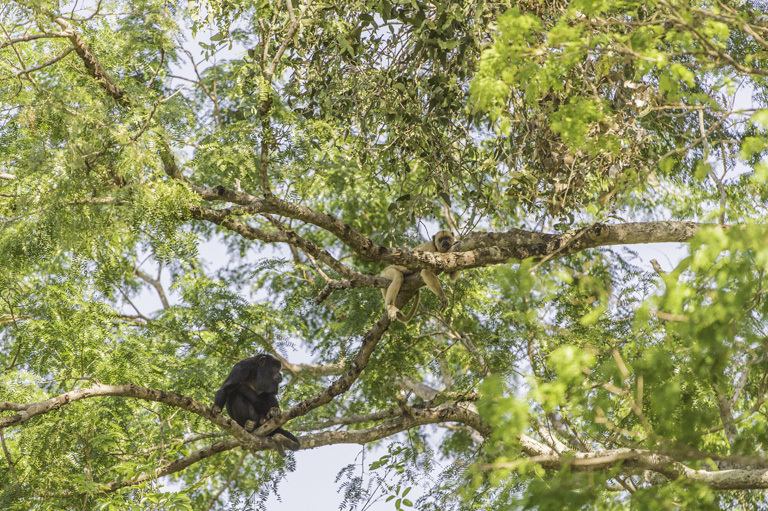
(254, 164)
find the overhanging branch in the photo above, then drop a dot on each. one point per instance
(632, 460)
(473, 251)
(225, 218)
(26, 412)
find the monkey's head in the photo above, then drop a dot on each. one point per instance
(443, 241)
(267, 377)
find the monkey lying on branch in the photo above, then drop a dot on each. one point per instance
(441, 242)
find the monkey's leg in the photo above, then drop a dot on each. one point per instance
(396, 276)
(434, 284)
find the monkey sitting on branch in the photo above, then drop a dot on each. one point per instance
(441, 242)
(250, 395)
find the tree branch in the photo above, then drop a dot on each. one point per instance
(92, 64)
(154, 283)
(46, 63)
(638, 459)
(474, 250)
(341, 385)
(27, 411)
(32, 37)
(223, 217)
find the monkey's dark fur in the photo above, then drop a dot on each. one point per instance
(250, 395)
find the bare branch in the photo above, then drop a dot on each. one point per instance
(11, 464)
(32, 37)
(154, 283)
(47, 63)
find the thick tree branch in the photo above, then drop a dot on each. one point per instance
(638, 459)
(92, 64)
(474, 250)
(312, 369)
(27, 411)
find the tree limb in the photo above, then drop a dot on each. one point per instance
(27, 411)
(474, 250)
(341, 385)
(92, 64)
(639, 459)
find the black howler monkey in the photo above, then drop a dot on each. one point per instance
(250, 395)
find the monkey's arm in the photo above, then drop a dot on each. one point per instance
(434, 284)
(429, 246)
(240, 373)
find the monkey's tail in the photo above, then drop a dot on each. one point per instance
(294, 442)
(405, 318)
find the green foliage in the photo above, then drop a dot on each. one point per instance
(399, 118)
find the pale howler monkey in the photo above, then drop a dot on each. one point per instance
(441, 242)
(250, 395)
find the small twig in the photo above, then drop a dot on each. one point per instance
(11, 465)
(229, 481)
(154, 109)
(46, 64)
(154, 283)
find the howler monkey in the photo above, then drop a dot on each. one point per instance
(250, 395)
(441, 242)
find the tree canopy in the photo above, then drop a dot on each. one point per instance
(252, 165)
